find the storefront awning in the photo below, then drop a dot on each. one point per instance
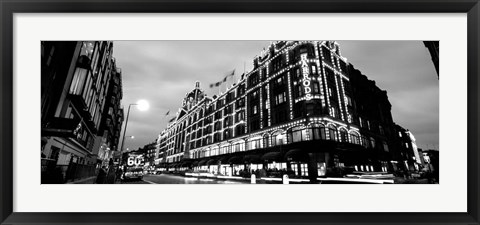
(296, 155)
(224, 160)
(252, 159)
(212, 162)
(272, 156)
(236, 160)
(202, 163)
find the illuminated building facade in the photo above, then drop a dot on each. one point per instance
(299, 110)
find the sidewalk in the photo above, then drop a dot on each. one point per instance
(88, 180)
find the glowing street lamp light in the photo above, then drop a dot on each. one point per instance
(142, 105)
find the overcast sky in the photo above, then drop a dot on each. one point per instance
(162, 72)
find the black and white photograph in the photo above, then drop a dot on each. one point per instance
(240, 112)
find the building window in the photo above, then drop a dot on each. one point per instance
(240, 116)
(297, 134)
(277, 63)
(319, 133)
(78, 81)
(380, 128)
(280, 98)
(239, 147)
(254, 144)
(298, 91)
(226, 134)
(349, 101)
(278, 139)
(355, 138)
(332, 133)
(343, 136)
(255, 95)
(254, 109)
(304, 169)
(295, 168)
(296, 73)
(253, 80)
(385, 146)
(316, 87)
(218, 125)
(254, 125)
(372, 142)
(334, 112)
(313, 69)
(239, 130)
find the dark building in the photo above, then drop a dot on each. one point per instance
(108, 136)
(302, 110)
(76, 77)
(434, 49)
(373, 115)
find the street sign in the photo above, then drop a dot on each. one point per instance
(135, 160)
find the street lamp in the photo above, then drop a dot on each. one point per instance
(142, 105)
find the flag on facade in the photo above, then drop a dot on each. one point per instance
(224, 79)
(232, 73)
(172, 119)
(166, 114)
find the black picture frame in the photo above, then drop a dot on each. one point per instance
(9, 7)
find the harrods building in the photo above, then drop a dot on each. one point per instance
(303, 108)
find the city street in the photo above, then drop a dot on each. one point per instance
(171, 179)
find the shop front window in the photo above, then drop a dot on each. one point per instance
(297, 134)
(304, 169)
(321, 169)
(343, 136)
(332, 133)
(278, 139)
(318, 133)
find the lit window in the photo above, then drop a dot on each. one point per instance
(314, 69)
(304, 169)
(280, 98)
(316, 88)
(295, 169)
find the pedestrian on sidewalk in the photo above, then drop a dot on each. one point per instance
(119, 174)
(101, 176)
(111, 174)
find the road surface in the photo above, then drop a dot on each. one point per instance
(171, 179)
